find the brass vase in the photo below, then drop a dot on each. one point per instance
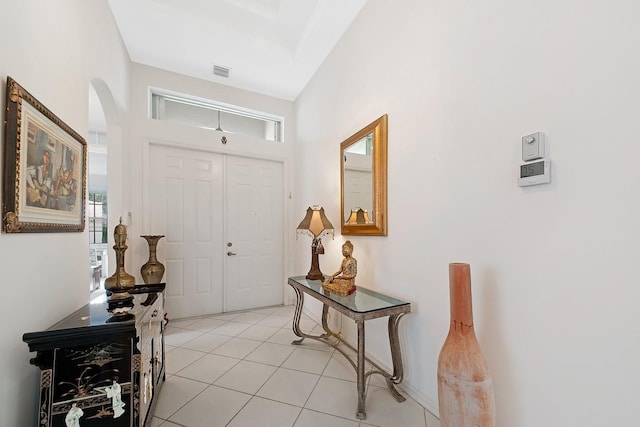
(153, 270)
(465, 388)
(121, 281)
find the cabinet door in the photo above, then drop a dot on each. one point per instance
(146, 379)
(81, 375)
(157, 346)
(151, 347)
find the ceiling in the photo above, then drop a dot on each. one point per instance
(272, 47)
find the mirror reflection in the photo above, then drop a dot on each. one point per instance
(363, 180)
(358, 181)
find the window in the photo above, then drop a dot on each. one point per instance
(96, 137)
(198, 112)
(97, 216)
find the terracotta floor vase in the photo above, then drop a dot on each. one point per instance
(465, 389)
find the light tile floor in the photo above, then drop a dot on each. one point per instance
(240, 370)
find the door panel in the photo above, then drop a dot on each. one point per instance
(254, 227)
(186, 205)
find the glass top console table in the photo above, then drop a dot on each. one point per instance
(363, 304)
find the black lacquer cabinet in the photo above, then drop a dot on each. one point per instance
(86, 355)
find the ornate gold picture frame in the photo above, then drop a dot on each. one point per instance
(45, 168)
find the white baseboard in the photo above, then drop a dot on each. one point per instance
(419, 397)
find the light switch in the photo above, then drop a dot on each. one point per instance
(533, 146)
(126, 218)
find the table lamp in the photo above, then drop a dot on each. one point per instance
(316, 225)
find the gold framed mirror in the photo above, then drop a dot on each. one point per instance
(363, 181)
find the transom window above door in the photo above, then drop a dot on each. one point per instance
(199, 112)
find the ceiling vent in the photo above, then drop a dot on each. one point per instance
(221, 71)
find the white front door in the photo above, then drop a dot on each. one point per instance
(186, 204)
(203, 202)
(255, 224)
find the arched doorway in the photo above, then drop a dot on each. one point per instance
(97, 199)
(104, 199)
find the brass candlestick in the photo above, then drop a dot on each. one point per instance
(121, 281)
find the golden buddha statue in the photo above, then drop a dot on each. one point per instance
(343, 281)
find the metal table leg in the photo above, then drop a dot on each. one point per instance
(361, 414)
(396, 357)
(325, 314)
(298, 314)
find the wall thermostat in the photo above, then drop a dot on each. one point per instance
(534, 173)
(533, 146)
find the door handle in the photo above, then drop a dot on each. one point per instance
(231, 253)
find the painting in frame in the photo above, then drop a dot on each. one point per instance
(45, 168)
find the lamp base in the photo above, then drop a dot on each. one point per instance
(315, 276)
(314, 272)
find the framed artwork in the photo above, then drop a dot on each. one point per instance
(45, 168)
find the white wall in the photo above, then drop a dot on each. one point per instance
(553, 266)
(54, 50)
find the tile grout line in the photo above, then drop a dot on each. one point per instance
(278, 367)
(304, 406)
(254, 395)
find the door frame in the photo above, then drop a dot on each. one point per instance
(288, 228)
